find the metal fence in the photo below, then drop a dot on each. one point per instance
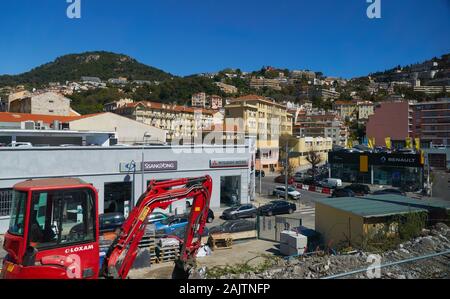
(6, 196)
(270, 227)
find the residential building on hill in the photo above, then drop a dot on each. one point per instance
(227, 88)
(259, 83)
(47, 103)
(179, 122)
(324, 124)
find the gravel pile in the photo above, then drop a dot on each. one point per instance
(312, 267)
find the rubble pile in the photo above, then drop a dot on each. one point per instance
(311, 267)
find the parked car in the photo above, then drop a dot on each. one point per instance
(331, 183)
(156, 217)
(260, 172)
(344, 192)
(359, 189)
(389, 191)
(310, 181)
(240, 211)
(281, 180)
(20, 144)
(180, 232)
(109, 222)
(168, 225)
(299, 176)
(281, 192)
(233, 226)
(277, 207)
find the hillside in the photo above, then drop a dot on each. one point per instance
(104, 65)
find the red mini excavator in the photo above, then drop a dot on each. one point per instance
(54, 229)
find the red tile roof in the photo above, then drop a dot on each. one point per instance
(168, 107)
(48, 119)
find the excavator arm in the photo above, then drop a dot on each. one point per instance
(122, 253)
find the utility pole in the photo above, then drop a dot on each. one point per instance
(260, 173)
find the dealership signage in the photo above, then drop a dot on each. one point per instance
(377, 159)
(228, 163)
(149, 166)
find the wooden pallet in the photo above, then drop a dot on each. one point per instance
(220, 241)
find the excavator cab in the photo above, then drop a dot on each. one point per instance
(53, 230)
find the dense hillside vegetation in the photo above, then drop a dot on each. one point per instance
(104, 65)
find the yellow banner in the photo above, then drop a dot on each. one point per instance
(417, 141)
(408, 143)
(388, 142)
(363, 164)
(371, 142)
(349, 143)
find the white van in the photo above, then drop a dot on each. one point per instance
(331, 183)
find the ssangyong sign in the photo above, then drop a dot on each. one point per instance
(228, 163)
(160, 165)
(149, 166)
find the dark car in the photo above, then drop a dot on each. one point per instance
(233, 226)
(343, 192)
(240, 211)
(109, 222)
(310, 181)
(359, 189)
(389, 191)
(282, 179)
(260, 172)
(180, 232)
(277, 207)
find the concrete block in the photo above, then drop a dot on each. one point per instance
(284, 235)
(298, 241)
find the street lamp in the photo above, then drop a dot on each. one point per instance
(146, 135)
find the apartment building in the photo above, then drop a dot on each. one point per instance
(46, 103)
(322, 124)
(202, 100)
(262, 82)
(431, 122)
(325, 94)
(360, 110)
(301, 147)
(199, 100)
(265, 119)
(390, 119)
(432, 89)
(179, 122)
(227, 88)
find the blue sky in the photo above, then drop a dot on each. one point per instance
(191, 36)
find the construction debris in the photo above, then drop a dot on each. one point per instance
(324, 265)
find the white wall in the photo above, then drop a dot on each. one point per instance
(128, 130)
(100, 165)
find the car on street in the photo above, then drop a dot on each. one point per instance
(168, 225)
(240, 211)
(180, 232)
(281, 180)
(310, 181)
(281, 192)
(389, 191)
(109, 222)
(233, 226)
(156, 217)
(260, 172)
(343, 192)
(331, 183)
(359, 189)
(277, 207)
